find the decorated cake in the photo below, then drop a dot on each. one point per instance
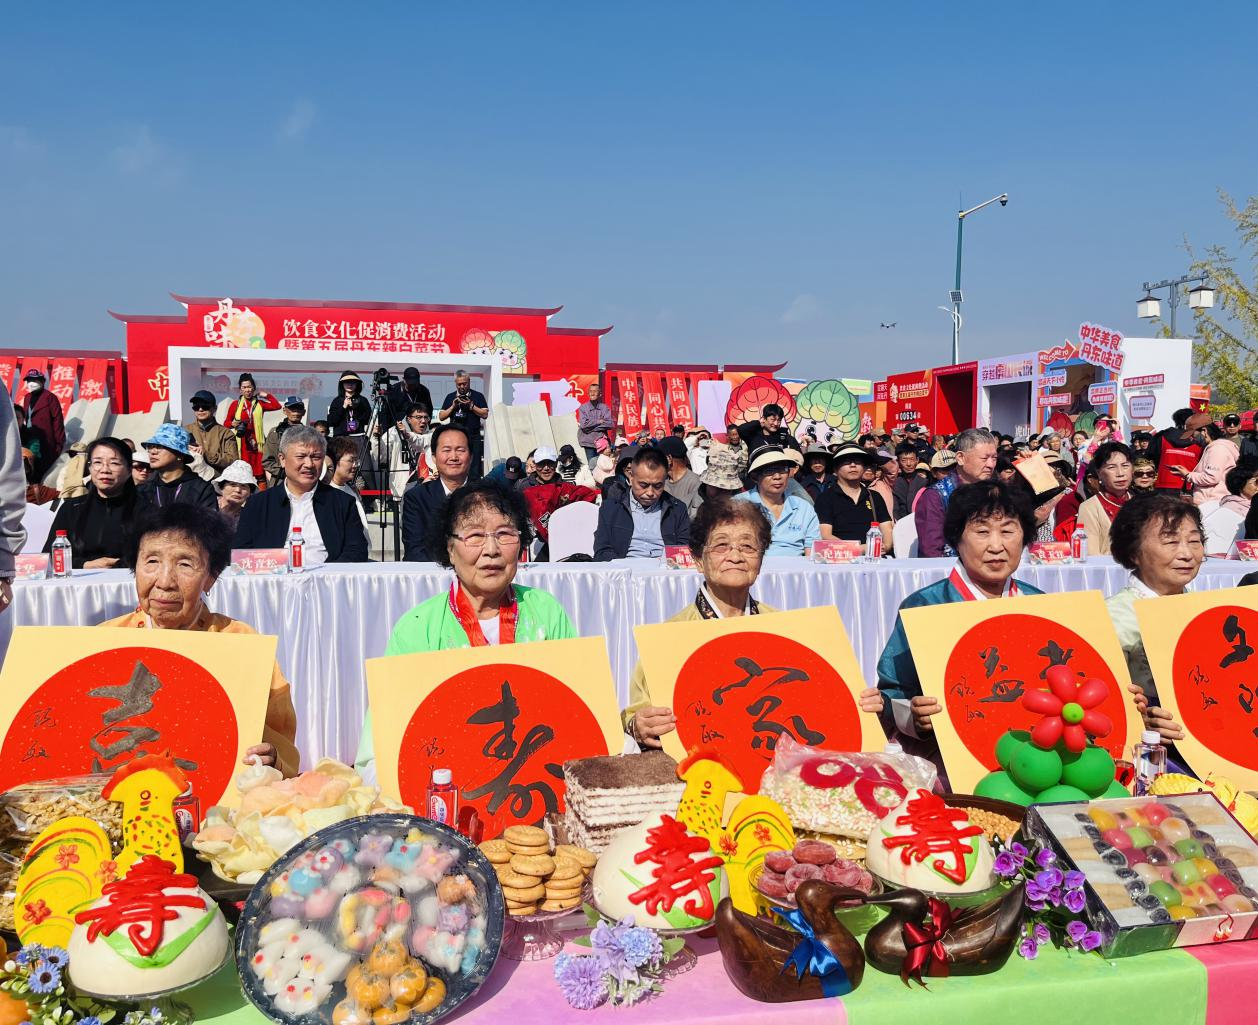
(154, 930)
(608, 794)
(926, 845)
(660, 873)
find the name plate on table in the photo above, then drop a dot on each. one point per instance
(30, 567)
(678, 557)
(833, 552)
(1050, 553)
(1246, 551)
(260, 562)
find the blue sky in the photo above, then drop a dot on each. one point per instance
(732, 182)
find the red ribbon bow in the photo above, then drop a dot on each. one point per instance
(924, 944)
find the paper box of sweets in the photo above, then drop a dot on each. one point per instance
(1162, 871)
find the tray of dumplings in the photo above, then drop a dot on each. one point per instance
(376, 920)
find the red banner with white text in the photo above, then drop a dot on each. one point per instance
(630, 404)
(679, 400)
(92, 383)
(8, 366)
(61, 382)
(656, 411)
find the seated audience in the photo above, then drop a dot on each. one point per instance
(1111, 464)
(573, 470)
(235, 484)
(452, 456)
(816, 477)
(330, 525)
(729, 541)
(1224, 521)
(682, 483)
(214, 447)
(1144, 476)
(346, 458)
(177, 552)
(975, 461)
(768, 430)
(638, 519)
(792, 519)
(294, 410)
(170, 479)
(547, 491)
(97, 522)
(846, 511)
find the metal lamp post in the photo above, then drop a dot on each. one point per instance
(956, 297)
(1199, 298)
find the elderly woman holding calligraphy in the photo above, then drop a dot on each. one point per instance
(728, 540)
(988, 524)
(479, 533)
(177, 552)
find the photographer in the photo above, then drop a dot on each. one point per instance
(404, 458)
(244, 418)
(350, 411)
(410, 391)
(467, 409)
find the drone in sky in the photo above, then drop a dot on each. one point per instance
(887, 326)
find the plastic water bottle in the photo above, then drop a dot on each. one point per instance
(893, 747)
(296, 562)
(873, 543)
(1079, 545)
(1150, 759)
(443, 797)
(62, 556)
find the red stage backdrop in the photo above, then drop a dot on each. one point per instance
(363, 331)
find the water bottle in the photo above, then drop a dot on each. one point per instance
(443, 797)
(62, 557)
(1079, 545)
(893, 747)
(296, 543)
(1150, 758)
(873, 543)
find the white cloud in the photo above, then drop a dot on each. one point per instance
(141, 154)
(18, 141)
(803, 307)
(298, 122)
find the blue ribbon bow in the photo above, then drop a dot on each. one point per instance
(812, 957)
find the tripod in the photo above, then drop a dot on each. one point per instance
(382, 417)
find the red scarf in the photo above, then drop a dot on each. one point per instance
(508, 614)
(1110, 506)
(958, 581)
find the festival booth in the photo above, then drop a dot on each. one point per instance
(1006, 393)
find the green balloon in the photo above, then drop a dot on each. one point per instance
(1115, 789)
(1033, 768)
(1091, 770)
(1008, 744)
(1059, 793)
(999, 787)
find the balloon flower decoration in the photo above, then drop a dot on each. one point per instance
(1056, 760)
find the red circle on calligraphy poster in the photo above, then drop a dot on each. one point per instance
(504, 732)
(101, 711)
(740, 693)
(1215, 670)
(998, 660)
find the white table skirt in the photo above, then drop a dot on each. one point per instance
(333, 618)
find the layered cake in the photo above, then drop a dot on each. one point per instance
(607, 795)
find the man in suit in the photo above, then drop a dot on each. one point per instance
(331, 528)
(452, 455)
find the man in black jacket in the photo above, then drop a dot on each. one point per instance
(640, 520)
(768, 430)
(409, 390)
(912, 478)
(452, 455)
(170, 480)
(331, 528)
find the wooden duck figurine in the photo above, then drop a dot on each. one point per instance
(973, 941)
(756, 951)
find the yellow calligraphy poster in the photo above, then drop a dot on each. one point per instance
(738, 685)
(503, 719)
(75, 700)
(978, 658)
(1202, 653)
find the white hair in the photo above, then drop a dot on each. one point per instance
(302, 434)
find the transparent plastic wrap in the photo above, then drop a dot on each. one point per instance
(1161, 871)
(841, 793)
(27, 810)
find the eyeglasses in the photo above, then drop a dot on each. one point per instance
(724, 548)
(112, 464)
(507, 537)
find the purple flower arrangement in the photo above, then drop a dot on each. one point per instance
(36, 975)
(1053, 899)
(623, 968)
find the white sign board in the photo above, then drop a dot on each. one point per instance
(1140, 408)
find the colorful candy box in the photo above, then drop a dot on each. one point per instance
(1162, 871)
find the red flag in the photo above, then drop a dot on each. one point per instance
(656, 412)
(64, 373)
(630, 404)
(92, 381)
(8, 365)
(679, 400)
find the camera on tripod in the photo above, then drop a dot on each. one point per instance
(381, 380)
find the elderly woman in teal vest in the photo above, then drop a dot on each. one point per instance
(988, 524)
(479, 534)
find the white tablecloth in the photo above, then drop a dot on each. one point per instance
(333, 618)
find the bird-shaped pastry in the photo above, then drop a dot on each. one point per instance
(774, 964)
(147, 787)
(926, 936)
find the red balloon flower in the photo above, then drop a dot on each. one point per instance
(1068, 712)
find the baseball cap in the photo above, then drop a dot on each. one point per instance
(410, 374)
(293, 402)
(943, 460)
(513, 468)
(545, 454)
(205, 397)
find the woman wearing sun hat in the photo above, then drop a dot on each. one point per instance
(170, 480)
(792, 519)
(235, 484)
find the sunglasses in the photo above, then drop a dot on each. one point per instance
(200, 407)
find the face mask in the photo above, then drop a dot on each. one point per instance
(705, 443)
(33, 386)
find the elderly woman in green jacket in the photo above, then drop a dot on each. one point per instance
(479, 533)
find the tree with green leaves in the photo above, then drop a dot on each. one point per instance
(1226, 351)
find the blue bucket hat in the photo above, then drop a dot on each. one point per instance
(173, 437)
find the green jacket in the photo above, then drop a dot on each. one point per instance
(431, 626)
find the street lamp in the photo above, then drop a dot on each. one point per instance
(956, 296)
(1199, 298)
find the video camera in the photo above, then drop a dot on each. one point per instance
(381, 380)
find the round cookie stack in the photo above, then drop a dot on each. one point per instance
(533, 878)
